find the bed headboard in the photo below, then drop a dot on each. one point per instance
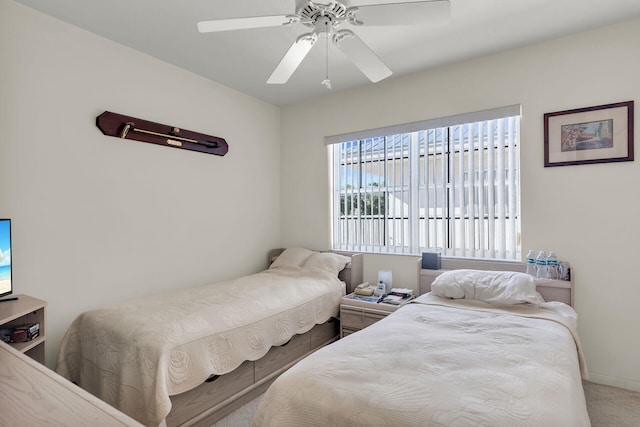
(351, 274)
(551, 290)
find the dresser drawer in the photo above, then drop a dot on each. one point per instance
(321, 334)
(357, 318)
(209, 394)
(279, 356)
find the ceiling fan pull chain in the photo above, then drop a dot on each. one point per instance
(326, 81)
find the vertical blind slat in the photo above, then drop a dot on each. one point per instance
(414, 193)
(471, 173)
(501, 193)
(450, 182)
(392, 196)
(355, 176)
(367, 196)
(444, 135)
(427, 193)
(381, 192)
(337, 196)
(401, 222)
(513, 203)
(459, 212)
(491, 197)
(481, 191)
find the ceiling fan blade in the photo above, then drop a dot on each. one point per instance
(292, 59)
(405, 13)
(245, 23)
(361, 55)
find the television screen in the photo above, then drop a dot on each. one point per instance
(5, 257)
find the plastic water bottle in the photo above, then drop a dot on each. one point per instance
(531, 263)
(552, 266)
(381, 289)
(541, 266)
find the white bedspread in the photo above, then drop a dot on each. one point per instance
(136, 354)
(438, 362)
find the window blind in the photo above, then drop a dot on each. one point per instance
(452, 188)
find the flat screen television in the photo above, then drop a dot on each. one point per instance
(6, 285)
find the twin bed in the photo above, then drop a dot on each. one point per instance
(191, 356)
(477, 348)
(481, 349)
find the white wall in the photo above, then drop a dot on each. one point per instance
(99, 219)
(588, 214)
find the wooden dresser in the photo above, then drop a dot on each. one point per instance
(33, 395)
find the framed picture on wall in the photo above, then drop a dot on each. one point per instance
(598, 134)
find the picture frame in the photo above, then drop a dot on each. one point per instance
(599, 134)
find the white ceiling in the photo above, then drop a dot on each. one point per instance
(243, 60)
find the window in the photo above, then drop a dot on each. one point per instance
(449, 184)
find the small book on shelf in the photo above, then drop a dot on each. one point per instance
(401, 292)
(396, 299)
(357, 297)
(398, 296)
(393, 299)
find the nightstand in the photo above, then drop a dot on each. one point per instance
(357, 314)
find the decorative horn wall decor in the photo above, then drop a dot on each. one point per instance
(126, 127)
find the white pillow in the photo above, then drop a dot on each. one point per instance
(495, 287)
(292, 257)
(328, 261)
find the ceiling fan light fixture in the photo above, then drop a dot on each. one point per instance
(310, 11)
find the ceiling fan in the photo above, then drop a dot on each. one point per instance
(325, 20)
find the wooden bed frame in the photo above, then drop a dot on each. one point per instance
(220, 395)
(551, 290)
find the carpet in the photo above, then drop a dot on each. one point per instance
(607, 407)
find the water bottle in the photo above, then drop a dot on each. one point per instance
(381, 289)
(531, 263)
(541, 266)
(552, 266)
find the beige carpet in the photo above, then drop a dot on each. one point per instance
(607, 406)
(242, 416)
(612, 407)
